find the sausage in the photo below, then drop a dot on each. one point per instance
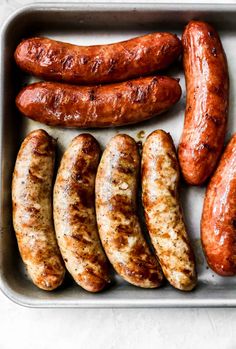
(207, 88)
(32, 210)
(117, 217)
(54, 60)
(74, 214)
(163, 214)
(124, 103)
(218, 224)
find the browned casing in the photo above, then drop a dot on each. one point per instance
(74, 214)
(119, 104)
(163, 214)
(207, 88)
(117, 216)
(59, 61)
(218, 224)
(32, 210)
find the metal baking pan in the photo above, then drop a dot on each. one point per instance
(93, 24)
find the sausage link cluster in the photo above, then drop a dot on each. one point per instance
(78, 229)
(95, 201)
(123, 102)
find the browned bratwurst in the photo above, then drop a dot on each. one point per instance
(218, 225)
(119, 104)
(54, 60)
(74, 214)
(32, 210)
(163, 214)
(207, 85)
(117, 217)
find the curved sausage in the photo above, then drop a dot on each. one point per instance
(207, 85)
(32, 210)
(74, 214)
(117, 218)
(54, 60)
(160, 180)
(218, 224)
(101, 106)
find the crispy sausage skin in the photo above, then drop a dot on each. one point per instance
(32, 210)
(74, 214)
(207, 88)
(54, 60)
(218, 224)
(124, 103)
(160, 180)
(116, 208)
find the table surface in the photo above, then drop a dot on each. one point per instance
(113, 328)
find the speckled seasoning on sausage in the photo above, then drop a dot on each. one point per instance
(117, 217)
(74, 214)
(54, 60)
(119, 104)
(207, 88)
(32, 210)
(163, 214)
(218, 224)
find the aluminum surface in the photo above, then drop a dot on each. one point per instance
(94, 24)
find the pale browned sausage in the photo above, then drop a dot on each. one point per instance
(32, 210)
(54, 60)
(74, 214)
(117, 217)
(218, 225)
(101, 106)
(160, 181)
(207, 88)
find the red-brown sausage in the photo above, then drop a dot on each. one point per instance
(218, 225)
(207, 85)
(54, 60)
(32, 210)
(74, 214)
(117, 217)
(101, 106)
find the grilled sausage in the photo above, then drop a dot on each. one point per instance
(207, 85)
(54, 60)
(129, 102)
(32, 210)
(160, 180)
(218, 224)
(116, 208)
(74, 214)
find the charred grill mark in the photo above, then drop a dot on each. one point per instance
(120, 241)
(32, 209)
(125, 169)
(92, 95)
(216, 120)
(55, 101)
(90, 147)
(84, 59)
(34, 176)
(112, 65)
(85, 197)
(39, 53)
(67, 62)
(121, 203)
(96, 65)
(80, 238)
(140, 95)
(208, 147)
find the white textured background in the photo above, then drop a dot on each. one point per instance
(24, 328)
